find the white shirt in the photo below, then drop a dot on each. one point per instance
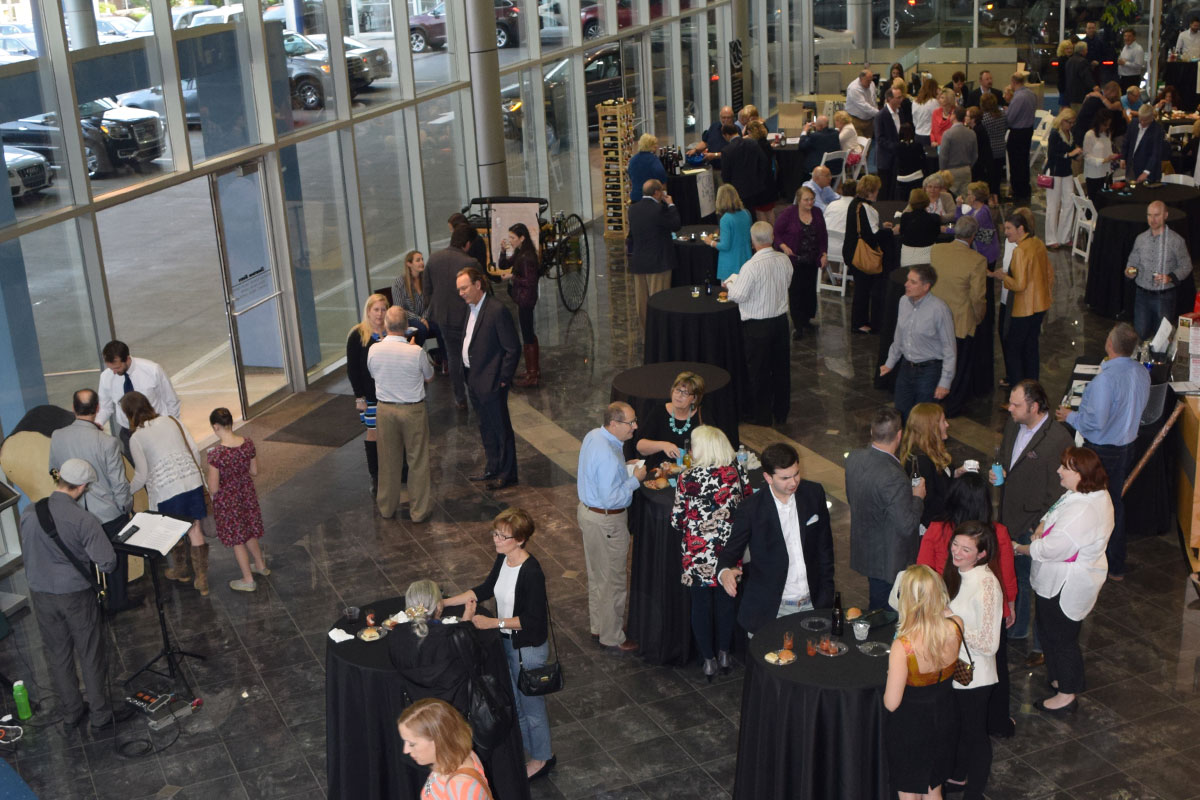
(1141, 131)
(148, 378)
(471, 330)
(760, 287)
(835, 217)
(1005, 261)
(1024, 434)
(1096, 150)
(506, 591)
(796, 585)
(860, 102)
(400, 370)
(1077, 525)
(923, 116)
(1188, 44)
(1135, 60)
(847, 137)
(980, 603)
(165, 460)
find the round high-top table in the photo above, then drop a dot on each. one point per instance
(1117, 226)
(695, 260)
(680, 327)
(1185, 198)
(364, 695)
(649, 386)
(812, 729)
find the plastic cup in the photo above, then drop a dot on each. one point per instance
(861, 630)
(971, 465)
(810, 646)
(695, 291)
(351, 613)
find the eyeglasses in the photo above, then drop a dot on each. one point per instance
(631, 422)
(501, 536)
(683, 391)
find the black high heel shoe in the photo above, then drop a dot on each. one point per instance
(724, 662)
(710, 668)
(1069, 708)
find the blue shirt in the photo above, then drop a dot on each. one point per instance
(824, 194)
(733, 247)
(642, 167)
(1125, 104)
(713, 138)
(603, 480)
(1110, 410)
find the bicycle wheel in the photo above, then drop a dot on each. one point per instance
(574, 260)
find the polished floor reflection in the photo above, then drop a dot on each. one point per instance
(621, 728)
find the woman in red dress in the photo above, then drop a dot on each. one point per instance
(231, 469)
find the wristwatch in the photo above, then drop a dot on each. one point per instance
(500, 624)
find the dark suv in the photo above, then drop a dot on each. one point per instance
(308, 72)
(113, 136)
(428, 30)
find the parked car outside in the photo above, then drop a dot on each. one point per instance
(180, 18)
(308, 71)
(28, 172)
(428, 30)
(113, 136)
(152, 100)
(18, 46)
(375, 59)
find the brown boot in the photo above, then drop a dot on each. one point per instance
(532, 367)
(178, 571)
(200, 562)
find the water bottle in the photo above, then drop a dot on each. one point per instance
(743, 457)
(998, 470)
(21, 698)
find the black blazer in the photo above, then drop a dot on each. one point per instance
(1031, 486)
(745, 165)
(887, 135)
(756, 523)
(494, 348)
(650, 226)
(434, 665)
(815, 145)
(529, 601)
(356, 366)
(445, 307)
(976, 95)
(919, 228)
(1144, 157)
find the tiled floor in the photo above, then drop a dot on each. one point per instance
(621, 728)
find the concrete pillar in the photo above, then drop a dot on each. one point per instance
(81, 23)
(485, 97)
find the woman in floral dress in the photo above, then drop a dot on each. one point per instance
(231, 467)
(705, 501)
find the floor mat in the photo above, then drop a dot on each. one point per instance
(330, 424)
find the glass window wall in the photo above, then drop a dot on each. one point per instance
(216, 86)
(443, 164)
(429, 25)
(564, 143)
(520, 129)
(385, 194)
(666, 104)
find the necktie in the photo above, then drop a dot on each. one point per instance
(128, 382)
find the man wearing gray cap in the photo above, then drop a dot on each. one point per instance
(64, 600)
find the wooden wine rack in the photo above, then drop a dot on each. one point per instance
(617, 144)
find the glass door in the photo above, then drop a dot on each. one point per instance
(252, 295)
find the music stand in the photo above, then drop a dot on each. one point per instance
(170, 652)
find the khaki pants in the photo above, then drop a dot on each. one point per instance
(606, 549)
(403, 428)
(646, 285)
(864, 127)
(962, 177)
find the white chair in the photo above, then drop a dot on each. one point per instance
(833, 277)
(1182, 180)
(858, 169)
(1179, 130)
(1079, 187)
(906, 183)
(1085, 222)
(911, 256)
(1041, 133)
(840, 157)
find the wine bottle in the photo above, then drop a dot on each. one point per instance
(838, 626)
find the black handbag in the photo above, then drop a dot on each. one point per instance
(488, 711)
(546, 679)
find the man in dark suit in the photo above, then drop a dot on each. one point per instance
(791, 545)
(446, 308)
(818, 139)
(1142, 155)
(885, 508)
(651, 222)
(490, 351)
(1030, 452)
(744, 165)
(985, 86)
(887, 139)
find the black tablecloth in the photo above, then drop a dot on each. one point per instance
(686, 194)
(649, 386)
(1117, 226)
(1185, 198)
(680, 327)
(696, 260)
(364, 696)
(789, 170)
(1182, 75)
(813, 729)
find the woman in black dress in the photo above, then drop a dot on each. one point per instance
(362, 336)
(862, 220)
(918, 229)
(923, 453)
(518, 254)
(667, 429)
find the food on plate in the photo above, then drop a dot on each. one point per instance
(828, 648)
(369, 634)
(786, 656)
(853, 612)
(772, 657)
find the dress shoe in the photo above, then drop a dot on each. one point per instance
(545, 770)
(724, 662)
(595, 637)
(1069, 708)
(627, 646)
(481, 477)
(710, 668)
(1035, 659)
(1112, 576)
(500, 483)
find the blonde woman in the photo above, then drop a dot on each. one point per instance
(919, 730)
(435, 735)
(924, 106)
(847, 135)
(644, 165)
(1065, 49)
(762, 201)
(943, 116)
(1060, 152)
(733, 243)
(366, 333)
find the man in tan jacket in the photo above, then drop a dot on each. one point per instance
(962, 285)
(1030, 279)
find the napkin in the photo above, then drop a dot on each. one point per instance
(399, 618)
(338, 635)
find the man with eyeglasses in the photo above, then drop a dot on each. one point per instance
(606, 488)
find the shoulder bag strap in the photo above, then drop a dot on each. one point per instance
(553, 639)
(963, 638)
(47, 522)
(471, 772)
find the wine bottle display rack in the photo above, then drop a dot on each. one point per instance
(617, 142)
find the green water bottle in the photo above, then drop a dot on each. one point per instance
(21, 698)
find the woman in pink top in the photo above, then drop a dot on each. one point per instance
(436, 736)
(943, 117)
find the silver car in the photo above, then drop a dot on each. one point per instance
(376, 59)
(28, 172)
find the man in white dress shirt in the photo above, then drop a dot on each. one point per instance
(123, 374)
(400, 370)
(760, 288)
(1131, 63)
(860, 103)
(1188, 43)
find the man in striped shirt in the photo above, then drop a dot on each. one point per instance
(760, 289)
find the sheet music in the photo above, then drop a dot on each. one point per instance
(1087, 369)
(154, 532)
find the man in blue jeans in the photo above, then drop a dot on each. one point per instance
(1109, 414)
(923, 349)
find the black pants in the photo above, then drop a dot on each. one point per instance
(887, 188)
(1022, 347)
(1128, 80)
(973, 758)
(118, 579)
(1116, 460)
(1018, 162)
(712, 604)
(454, 346)
(960, 387)
(867, 306)
(525, 319)
(1093, 186)
(997, 176)
(802, 293)
(495, 429)
(999, 722)
(768, 357)
(1060, 642)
